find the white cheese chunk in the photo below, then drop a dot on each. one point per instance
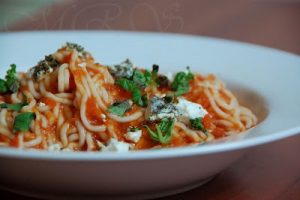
(133, 136)
(122, 70)
(189, 109)
(54, 147)
(114, 145)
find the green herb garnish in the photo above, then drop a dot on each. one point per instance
(140, 79)
(197, 124)
(148, 77)
(180, 85)
(138, 98)
(11, 83)
(3, 86)
(126, 84)
(163, 131)
(119, 108)
(23, 120)
(14, 107)
(12, 79)
(154, 79)
(131, 86)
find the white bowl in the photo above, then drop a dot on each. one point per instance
(264, 79)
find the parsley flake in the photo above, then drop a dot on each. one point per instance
(119, 108)
(11, 82)
(197, 124)
(23, 120)
(163, 131)
(131, 86)
(180, 85)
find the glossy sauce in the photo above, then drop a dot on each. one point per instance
(93, 112)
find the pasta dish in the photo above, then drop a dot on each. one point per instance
(69, 102)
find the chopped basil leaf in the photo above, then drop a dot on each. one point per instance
(139, 78)
(138, 98)
(11, 83)
(189, 74)
(23, 120)
(3, 86)
(197, 124)
(163, 131)
(181, 82)
(126, 84)
(143, 101)
(130, 86)
(14, 107)
(148, 77)
(153, 134)
(12, 79)
(119, 108)
(153, 78)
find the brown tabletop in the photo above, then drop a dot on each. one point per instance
(266, 172)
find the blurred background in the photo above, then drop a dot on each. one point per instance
(273, 23)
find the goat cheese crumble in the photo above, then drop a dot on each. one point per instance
(190, 109)
(54, 147)
(114, 145)
(159, 108)
(133, 136)
(122, 70)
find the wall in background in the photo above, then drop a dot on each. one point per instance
(274, 23)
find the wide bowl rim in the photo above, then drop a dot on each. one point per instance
(147, 154)
(153, 154)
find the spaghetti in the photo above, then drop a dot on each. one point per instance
(68, 102)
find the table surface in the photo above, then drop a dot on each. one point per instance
(268, 172)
